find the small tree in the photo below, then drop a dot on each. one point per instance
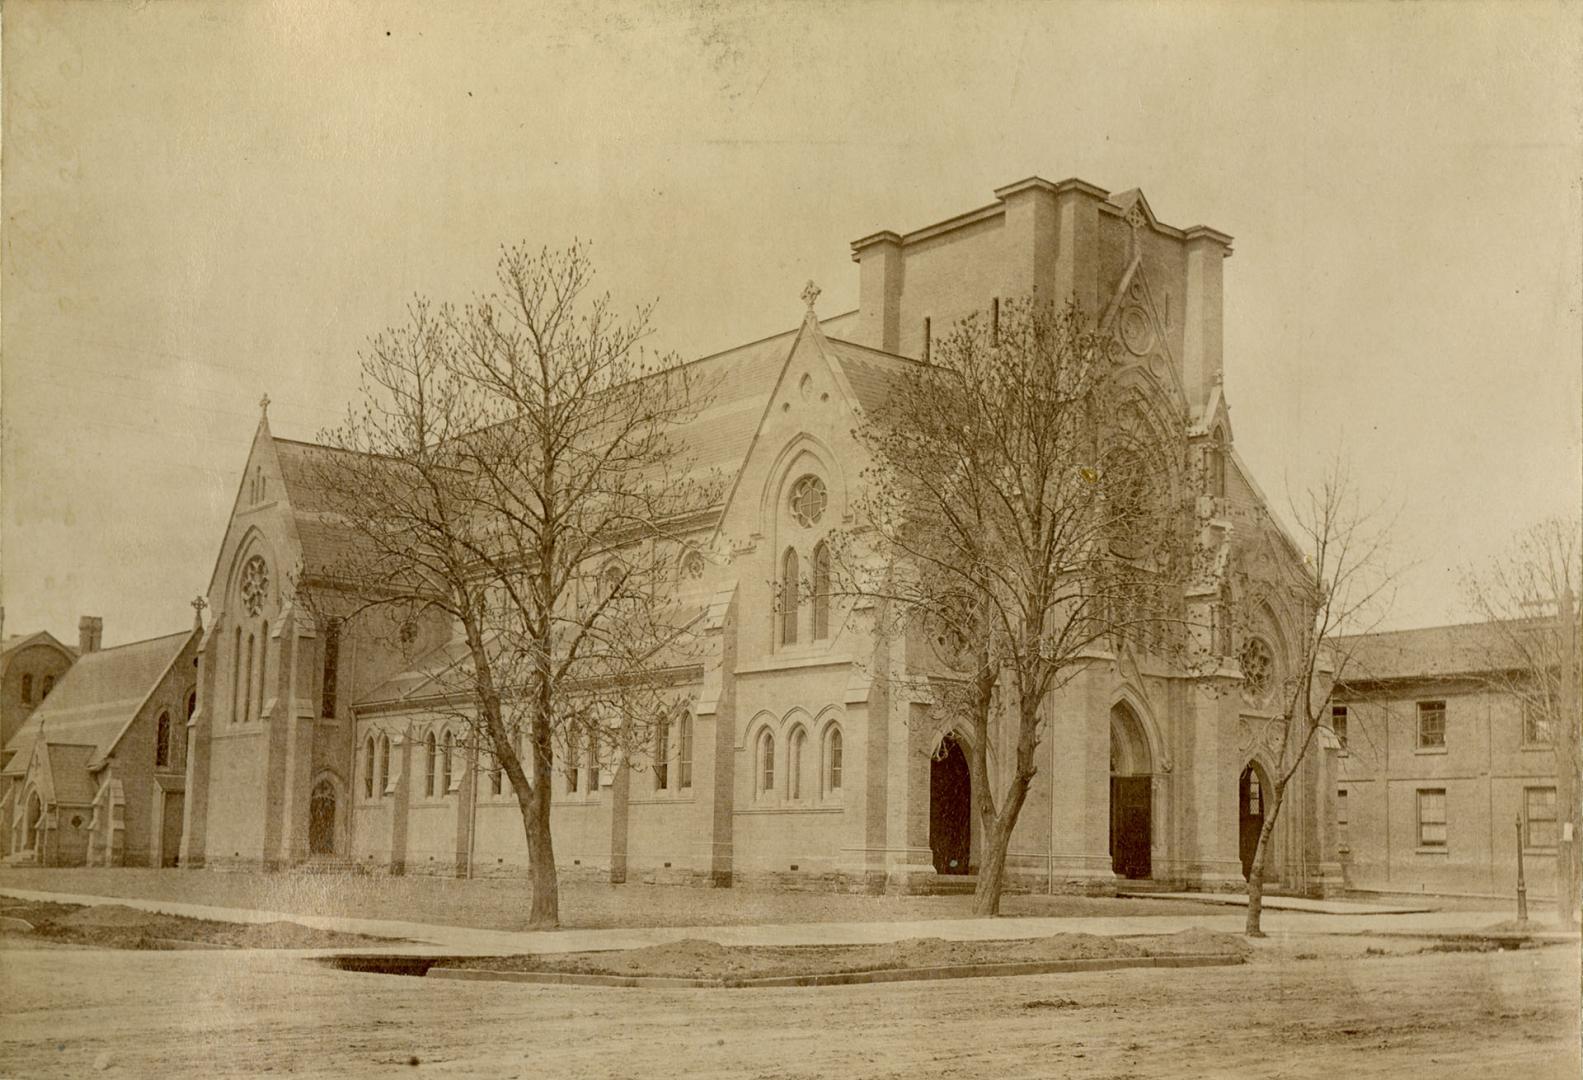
(1023, 508)
(1529, 599)
(513, 467)
(1342, 584)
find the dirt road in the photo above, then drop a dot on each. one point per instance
(70, 1012)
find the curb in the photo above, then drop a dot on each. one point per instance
(844, 978)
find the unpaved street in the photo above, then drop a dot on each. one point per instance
(70, 1012)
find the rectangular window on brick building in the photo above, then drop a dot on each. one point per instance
(1338, 724)
(1431, 724)
(1539, 817)
(1432, 817)
(1536, 726)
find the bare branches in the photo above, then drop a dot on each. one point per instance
(1024, 507)
(514, 474)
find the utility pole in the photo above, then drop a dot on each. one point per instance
(1567, 780)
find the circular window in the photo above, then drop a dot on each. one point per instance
(255, 584)
(1258, 668)
(808, 500)
(693, 565)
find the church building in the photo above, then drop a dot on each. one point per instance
(793, 763)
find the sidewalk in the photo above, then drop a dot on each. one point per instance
(1287, 903)
(423, 939)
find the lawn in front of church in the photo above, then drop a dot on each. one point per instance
(502, 904)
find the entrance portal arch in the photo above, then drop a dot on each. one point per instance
(1131, 794)
(1253, 788)
(321, 819)
(950, 808)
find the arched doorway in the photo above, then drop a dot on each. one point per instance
(1250, 815)
(321, 819)
(950, 808)
(1131, 795)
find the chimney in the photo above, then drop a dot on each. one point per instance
(90, 632)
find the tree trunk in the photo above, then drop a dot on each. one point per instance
(544, 911)
(992, 867)
(1261, 855)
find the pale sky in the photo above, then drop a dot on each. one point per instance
(205, 201)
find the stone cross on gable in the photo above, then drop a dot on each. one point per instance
(263, 406)
(810, 294)
(198, 604)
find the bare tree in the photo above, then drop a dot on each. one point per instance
(513, 471)
(1024, 506)
(1342, 583)
(1528, 597)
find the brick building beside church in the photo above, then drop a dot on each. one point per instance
(792, 762)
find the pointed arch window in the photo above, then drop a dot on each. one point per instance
(263, 652)
(236, 675)
(368, 768)
(684, 752)
(794, 754)
(766, 763)
(27, 689)
(247, 691)
(821, 591)
(789, 598)
(383, 782)
(662, 753)
(447, 763)
(332, 660)
(572, 767)
(497, 776)
(162, 741)
(832, 761)
(430, 761)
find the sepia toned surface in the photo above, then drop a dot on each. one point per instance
(209, 211)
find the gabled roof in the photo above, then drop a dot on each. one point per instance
(1430, 652)
(15, 643)
(67, 764)
(98, 698)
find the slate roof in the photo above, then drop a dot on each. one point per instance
(97, 698)
(1426, 653)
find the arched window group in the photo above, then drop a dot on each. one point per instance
(376, 766)
(792, 600)
(801, 777)
(247, 673)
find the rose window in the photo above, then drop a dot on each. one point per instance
(808, 500)
(255, 584)
(1258, 668)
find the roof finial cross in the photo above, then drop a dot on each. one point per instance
(263, 406)
(810, 294)
(198, 604)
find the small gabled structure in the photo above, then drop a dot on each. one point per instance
(95, 775)
(30, 666)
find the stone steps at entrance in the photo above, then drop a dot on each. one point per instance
(947, 885)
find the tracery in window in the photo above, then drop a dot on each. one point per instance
(808, 500)
(1258, 668)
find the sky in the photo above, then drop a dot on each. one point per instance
(205, 202)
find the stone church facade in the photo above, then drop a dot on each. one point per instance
(792, 762)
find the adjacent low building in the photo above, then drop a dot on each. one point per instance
(96, 774)
(1442, 772)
